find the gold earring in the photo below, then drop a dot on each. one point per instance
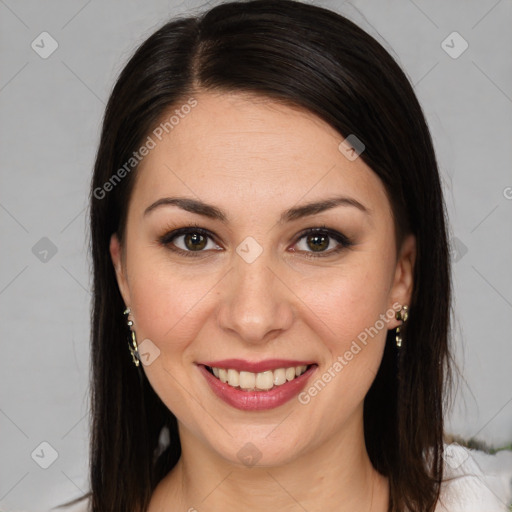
(402, 315)
(134, 350)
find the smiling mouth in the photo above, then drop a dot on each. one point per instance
(262, 381)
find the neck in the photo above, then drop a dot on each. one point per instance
(336, 475)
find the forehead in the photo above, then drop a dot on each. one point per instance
(253, 149)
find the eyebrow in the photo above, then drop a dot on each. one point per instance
(212, 212)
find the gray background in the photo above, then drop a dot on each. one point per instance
(49, 129)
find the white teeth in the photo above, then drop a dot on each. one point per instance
(233, 378)
(279, 376)
(290, 373)
(258, 381)
(247, 380)
(265, 380)
(223, 375)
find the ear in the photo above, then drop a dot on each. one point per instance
(116, 254)
(401, 290)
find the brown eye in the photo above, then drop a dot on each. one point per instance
(314, 242)
(317, 243)
(189, 241)
(195, 241)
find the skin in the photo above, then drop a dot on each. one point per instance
(254, 158)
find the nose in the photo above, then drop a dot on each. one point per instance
(256, 303)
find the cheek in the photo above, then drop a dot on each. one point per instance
(170, 305)
(170, 308)
(346, 302)
(351, 318)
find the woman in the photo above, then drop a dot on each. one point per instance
(268, 232)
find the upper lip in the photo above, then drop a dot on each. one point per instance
(242, 365)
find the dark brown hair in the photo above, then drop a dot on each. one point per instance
(310, 57)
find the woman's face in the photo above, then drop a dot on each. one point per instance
(246, 288)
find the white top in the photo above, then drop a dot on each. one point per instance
(481, 483)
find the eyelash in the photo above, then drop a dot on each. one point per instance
(343, 241)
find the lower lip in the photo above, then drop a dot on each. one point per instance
(257, 400)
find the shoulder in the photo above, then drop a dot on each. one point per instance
(475, 481)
